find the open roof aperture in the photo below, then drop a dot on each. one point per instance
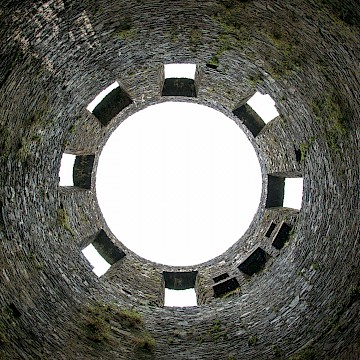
(167, 172)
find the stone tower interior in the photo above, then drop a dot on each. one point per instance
(288, 288)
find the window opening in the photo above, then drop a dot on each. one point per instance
(180, 298)
(270, 229)
(180, 280)
(99, 264)
(254, 263)
(264, 106)
(83, 168)
(180, 288)
(282, 236)
(66, 170)
(275, 191)
(102, 253)
(249, 118)
(109, 103)
(225, 287)
(179, 80)
(101, 96)
(220, 277)
(180, 71)
(293, 193)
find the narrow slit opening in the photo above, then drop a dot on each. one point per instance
(220, 277)
(270, 229)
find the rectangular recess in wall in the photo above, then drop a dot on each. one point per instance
(223, 288)
(99, 97)
(83, 167)
(108, 103)
(249, 118)
(254, 263)
(275, 191)
(106, 248)
(270, 229)
(66, 170)
(220, 277)
(282, 236)
(179, 80)
(180, 280)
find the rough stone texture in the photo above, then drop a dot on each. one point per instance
(56, 56)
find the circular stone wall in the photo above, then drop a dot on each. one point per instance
(289, 288)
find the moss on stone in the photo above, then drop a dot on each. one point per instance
(64, 220)
(97, 325)
(255, 80)
(342, 11)
(315, 266)
(125, 30)
(217, 331)
(4, 340)
(276, 351)
(252, 340)
(329, 112)
(144, 343)
(130, 318)
(354, 294)
(213, 62)
(308, 353)
(304, 148)
(231, 293)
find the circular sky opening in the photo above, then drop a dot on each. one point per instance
(178, 183)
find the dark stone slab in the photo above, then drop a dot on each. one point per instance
(179, 87)
(180, 280)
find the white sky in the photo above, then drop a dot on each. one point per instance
(180, 297)
(101, 95)
(179, 183)
(293, 193)
(176, 71)
(264, 106)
